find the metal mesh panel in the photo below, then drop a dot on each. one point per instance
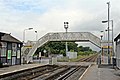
(70, 36)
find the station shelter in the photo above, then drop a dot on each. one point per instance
(117, 50)
(10, 49)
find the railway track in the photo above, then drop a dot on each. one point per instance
(51, 72)
(89, 59)
(68, 73)
(73, 74)
(30, 74)
(48, 72)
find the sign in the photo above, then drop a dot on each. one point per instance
(44, 51)
(18, 53)
(9, 54)
(28, 46)
(39, 54)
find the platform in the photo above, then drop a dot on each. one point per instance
(102, 72)
(15, 68)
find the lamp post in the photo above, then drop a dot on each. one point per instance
(108, 32)
(113, 54)
(112, 40)
(101, 46)
(36, 35)
(24, 34)
(66, 27)
(112, 36)
(101, 34)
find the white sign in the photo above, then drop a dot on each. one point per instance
(39, 54)
(44, 51)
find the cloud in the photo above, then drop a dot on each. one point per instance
(48, 16)
(52, 20)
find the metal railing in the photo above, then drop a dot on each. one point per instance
(72, 36)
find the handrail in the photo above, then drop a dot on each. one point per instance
(61, 36)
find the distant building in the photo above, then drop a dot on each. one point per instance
(117, 41)
(10, 49)
(72, 55)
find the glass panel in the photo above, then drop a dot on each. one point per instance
(3, 49)
(18, 53)
(14, 49)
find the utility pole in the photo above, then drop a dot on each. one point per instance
(109, 61)
(66, 27)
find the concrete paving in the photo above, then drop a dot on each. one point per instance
(102, 72)
(15, 68)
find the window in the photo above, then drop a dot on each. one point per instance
(14, 49)
(3, 49)
(18, 53)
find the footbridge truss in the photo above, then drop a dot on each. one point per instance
(62, 36)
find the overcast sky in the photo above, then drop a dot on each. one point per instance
(48, 16)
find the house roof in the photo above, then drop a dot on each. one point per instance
(118, 37)
(1, 34)
(8, 38)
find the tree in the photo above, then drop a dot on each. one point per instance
(59, 48)
(72, 46)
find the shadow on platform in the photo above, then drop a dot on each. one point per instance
(109, 66)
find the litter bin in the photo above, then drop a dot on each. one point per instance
(1, 65)
(114, 61)
(98, 60)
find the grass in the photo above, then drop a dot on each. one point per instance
(66, 59)
(63, 59)
(78, 58)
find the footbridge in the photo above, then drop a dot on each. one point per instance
(62, 36)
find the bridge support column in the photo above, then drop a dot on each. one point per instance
(66, 48)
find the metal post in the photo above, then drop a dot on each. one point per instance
(66, 42)
(108, 33)
(36, 35)
(101, 59)
(24, 34)
(104, 35)
(66, 27)
(112, 39)
(101, 49)
(112, 45)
